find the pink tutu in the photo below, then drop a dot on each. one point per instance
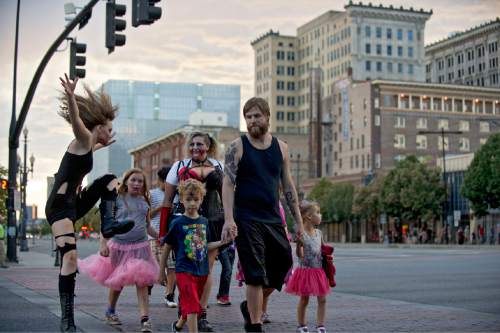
(307, 281)
(127, 264)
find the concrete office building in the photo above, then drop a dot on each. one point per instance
(469, 57)
(151, 109)
(364, 41)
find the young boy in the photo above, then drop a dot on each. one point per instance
(187, 237)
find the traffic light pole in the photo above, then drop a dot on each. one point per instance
(16, 126)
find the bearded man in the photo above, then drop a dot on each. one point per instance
(256, 164)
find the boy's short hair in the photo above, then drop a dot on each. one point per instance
(191, 186)
(163, 172)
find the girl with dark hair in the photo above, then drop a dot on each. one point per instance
(90, 118)
(201, 166)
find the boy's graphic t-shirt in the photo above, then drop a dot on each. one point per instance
(188, 238)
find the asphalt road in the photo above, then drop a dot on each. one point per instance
(456, 277)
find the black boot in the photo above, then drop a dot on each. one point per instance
(67, 312)
(109, 225)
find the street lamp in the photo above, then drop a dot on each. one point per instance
(24, 182)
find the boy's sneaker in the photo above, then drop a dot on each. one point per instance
(204, 325)
(112, 319)
(175, 329)
(302, 329)
(321, 329)
(265, 318)
(146, 326)
(223, 300)
(169, 301)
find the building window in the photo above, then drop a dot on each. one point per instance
(410, 35)
(290, 55)
(280, 100)
(400, 51)
(443, 124)
(389, 33)
(376, 120)
(421, 123)
(290, 71)
(482, 141)
(389, 50)
(379, 49)
(379, 66)
(410, 52)
(378, 32)
(400, 68)
(464, 144)
(410, 68)
(463, 125)
(280, 115)
(280, 55)
(377, 161)
(280, 70)
(421, 142)
(290, 85)
(280, 85)
(290, 116)
(280, 129)
(440, 143)
(368, 65)
(368, 32)
(399, 141)
(400, 34)
(389, 67)
(368, 48)
(484, 126)
(399, 122)
(290, 101)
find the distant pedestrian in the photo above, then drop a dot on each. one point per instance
(188, 237)
(2, 245)
(126, 259)
(467, 234)
(309, 279)
(460, 236)
(492, 235)
(226, 259)
(481, 233)
(157, 196)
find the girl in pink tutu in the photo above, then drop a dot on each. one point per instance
(126, 259)
(309, 278)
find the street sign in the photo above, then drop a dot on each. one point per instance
(4, 184)
(17, 200)
(383, 218)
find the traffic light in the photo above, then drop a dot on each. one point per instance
(145, 12)
(4, 184)
(114, 24)
(77, 60)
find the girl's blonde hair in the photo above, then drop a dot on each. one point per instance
(94, 109)
(209, 141)
(122, 189)
(306, 207)
(191, 186)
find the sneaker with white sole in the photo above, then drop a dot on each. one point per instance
(146, 326)
(169, 301)
(321, 329)
(112, 319)
(302, 329)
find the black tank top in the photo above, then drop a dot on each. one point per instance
(71, 170)
(256, 197)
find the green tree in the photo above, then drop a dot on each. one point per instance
(335, 200)
(482, 180)
(91, 220)
(412, 191)
(3, 195)
(367, 204)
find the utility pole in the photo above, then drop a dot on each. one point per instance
(24, 183)
(16, 126)
(442, 132)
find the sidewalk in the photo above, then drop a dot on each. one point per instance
(29, 290)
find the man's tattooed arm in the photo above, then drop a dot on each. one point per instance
(230, 163)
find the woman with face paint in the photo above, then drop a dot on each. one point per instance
(204, 167)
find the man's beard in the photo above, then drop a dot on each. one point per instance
(258, 131)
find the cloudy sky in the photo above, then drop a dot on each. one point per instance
(204, 41)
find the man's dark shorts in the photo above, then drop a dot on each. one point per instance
(264, 252)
